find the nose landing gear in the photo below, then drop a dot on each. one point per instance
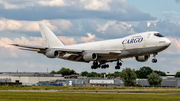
(154, 60)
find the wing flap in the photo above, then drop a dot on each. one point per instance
(104, 51)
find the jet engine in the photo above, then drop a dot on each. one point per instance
(52, 54)
(142, 58)
(90, 57)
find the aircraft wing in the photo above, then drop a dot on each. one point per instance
(26, 46)
(33, 48)
(73, 54)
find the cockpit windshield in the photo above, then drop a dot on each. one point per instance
(158, 35)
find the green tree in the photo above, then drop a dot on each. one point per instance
(102, 75)
(85, 73)
(128, 76)
(143, 72)
(52, 72)
(177, 74)
(110, 74)
(160, 73)
(154, 79)
(65, 71)
(62, 70)
(117, 74)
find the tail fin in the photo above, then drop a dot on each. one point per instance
(50, 39)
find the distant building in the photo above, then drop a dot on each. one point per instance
(29, 78)
(170, 75)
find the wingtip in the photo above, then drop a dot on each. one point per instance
(14, 44)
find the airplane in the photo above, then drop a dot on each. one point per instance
(140, 46)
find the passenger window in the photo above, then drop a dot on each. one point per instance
(158, 35)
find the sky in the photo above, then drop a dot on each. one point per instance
(81, 21)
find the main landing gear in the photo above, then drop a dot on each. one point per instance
(118, 65)
(103, 65)
(154, 60)
(97, 65)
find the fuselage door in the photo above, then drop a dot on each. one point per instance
(144, 43)
(124, 46)
(149, 34)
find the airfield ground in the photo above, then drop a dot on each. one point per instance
(39, 93)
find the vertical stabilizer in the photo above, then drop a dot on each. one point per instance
(50, 39)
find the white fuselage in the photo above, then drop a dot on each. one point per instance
(130, 46)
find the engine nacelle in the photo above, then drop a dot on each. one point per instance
(52, 54)
(90, 57)
(142, 58)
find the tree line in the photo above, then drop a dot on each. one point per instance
(141, 73)
(128, 75)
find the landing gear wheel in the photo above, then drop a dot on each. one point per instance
(92, 67)
(95, 65)
(107, 66)
(118, 65)
(104, 66)
(154, 60)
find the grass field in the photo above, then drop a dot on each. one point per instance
(21, 87)
(56, 96)
(47, 93)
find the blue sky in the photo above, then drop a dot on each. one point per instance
(79, 21)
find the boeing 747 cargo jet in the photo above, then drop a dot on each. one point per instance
(140, 46)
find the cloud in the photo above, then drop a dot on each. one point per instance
(52, 3)
(165, 27)
(60, 26)
(88, 39)
(99, 5)
(36, 10)
(67, 40)
(113, 26)
(177, 1)
(33, 41)
(15, 25)
(109, 30)
(174, 47)
(15, 4)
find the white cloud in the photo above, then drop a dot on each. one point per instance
(12, 25)
(152, 22)
(174, 48)
(52, 3)
(8, 5)
(67, 40)
(119, 27)
(12, 51)
(90, 38)
(29, 26)
(100, 5)
(33, 41)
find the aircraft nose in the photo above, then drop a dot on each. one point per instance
(168, 42)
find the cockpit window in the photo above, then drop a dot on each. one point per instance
(158, 35)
